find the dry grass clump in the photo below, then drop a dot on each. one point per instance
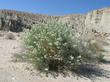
(10, 36)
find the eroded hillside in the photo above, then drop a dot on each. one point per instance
(95, 20)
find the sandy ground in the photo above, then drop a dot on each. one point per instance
(17, 71)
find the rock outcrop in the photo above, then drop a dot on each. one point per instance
(98, 20)
(94, 21)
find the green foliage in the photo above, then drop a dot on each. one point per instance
(54, 47)
(101, 58)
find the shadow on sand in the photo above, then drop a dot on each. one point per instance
(89, 71)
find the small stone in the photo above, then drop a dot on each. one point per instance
(13, 78)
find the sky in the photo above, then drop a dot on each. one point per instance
(54, 7)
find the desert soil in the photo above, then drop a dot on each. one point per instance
(11, 71)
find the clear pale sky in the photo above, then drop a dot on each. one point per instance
(54, 7)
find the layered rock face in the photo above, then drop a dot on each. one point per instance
(97, 20)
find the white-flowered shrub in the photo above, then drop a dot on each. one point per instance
(55, 46)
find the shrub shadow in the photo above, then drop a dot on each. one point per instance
(89, 71)
(106, 62)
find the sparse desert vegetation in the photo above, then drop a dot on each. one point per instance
(57, 47)
(60, 46)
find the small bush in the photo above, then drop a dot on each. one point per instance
(55, 47)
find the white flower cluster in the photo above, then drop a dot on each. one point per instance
(54, 41)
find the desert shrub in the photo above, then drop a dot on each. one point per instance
(54, 47)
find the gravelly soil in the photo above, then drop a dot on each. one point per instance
(16, 71)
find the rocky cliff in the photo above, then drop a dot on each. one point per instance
(96, 21)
